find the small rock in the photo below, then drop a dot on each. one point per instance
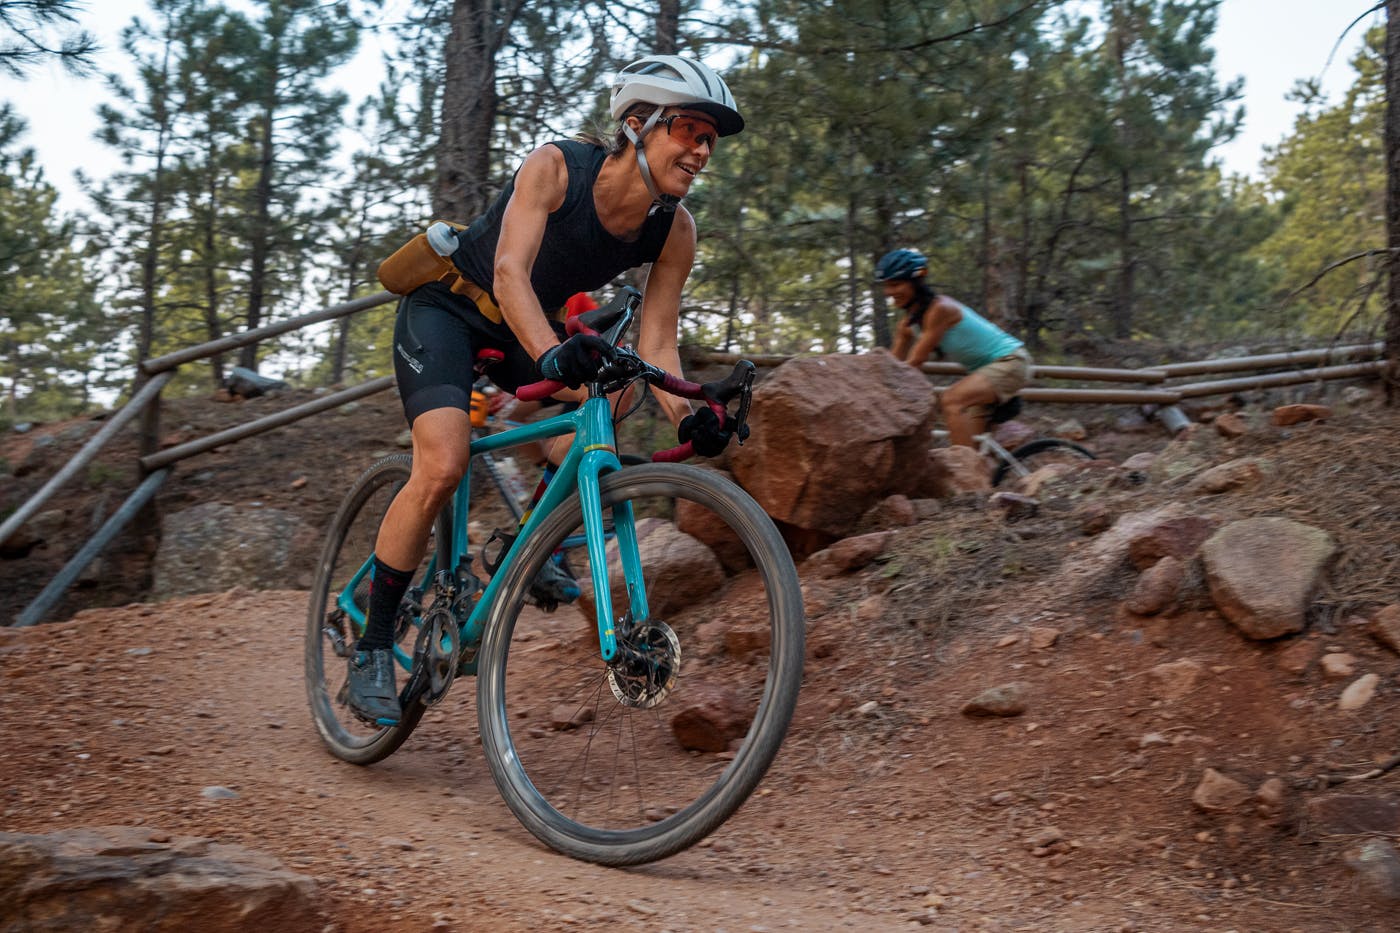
(1217, 793)
(1071, 429)
(1042, 637)
(1378, 865)
(1004, 700)
(1359, 692)
(1175, 679)
(216, 792)
(868, 708)
(1385, 627)
(1157, 588)
(1013, 505)
(1231, 424)
(1235, 474)
(1286, 415)
(569, 716)
(1271, 793)
(1338, 665)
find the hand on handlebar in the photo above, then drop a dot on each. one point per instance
(706, 435)
(575, 361)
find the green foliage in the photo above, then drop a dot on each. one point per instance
(1328, 180)
(32, 31)
(53, 334)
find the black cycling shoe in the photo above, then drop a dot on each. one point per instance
(552, 586)
(372, 696)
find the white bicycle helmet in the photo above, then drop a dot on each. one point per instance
(674, 81)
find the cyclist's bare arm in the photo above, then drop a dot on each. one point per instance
(661, 307)
(903, 339)
(540, 186)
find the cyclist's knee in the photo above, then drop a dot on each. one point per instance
(437, 474)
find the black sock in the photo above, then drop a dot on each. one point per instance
(386, 589)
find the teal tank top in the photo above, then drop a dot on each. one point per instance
(975, 341)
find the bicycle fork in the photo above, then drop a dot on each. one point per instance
(592, 466)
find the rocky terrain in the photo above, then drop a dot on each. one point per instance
(1050, 711)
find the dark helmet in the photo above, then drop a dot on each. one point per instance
(901, 264)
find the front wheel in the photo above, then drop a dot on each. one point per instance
(631, 761)
(1041, 452)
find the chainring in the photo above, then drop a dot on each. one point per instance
(438, 650)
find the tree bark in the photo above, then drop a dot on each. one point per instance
(469, 107)
(260, 245)
(668, 20)
(1392, 200)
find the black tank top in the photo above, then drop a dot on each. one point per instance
(576, 254)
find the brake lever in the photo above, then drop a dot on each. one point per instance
(741, 417)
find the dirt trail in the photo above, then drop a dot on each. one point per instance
(892, 818)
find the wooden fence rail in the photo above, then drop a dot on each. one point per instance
(1348, 362)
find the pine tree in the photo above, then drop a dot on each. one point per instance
(53, 336)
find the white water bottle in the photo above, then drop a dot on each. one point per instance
(442, 238)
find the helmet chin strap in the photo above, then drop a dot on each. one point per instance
(659, 202)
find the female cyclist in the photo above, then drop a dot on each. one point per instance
(998, 365)
(576, 214)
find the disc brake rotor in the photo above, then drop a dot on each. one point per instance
(648, 663)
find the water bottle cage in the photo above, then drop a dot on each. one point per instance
(507, 539)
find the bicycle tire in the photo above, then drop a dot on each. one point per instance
(535, 768)
(348, 544)
(1041, 451)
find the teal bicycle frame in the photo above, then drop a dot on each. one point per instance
(592, 454)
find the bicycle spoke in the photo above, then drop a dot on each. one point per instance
(590, 754)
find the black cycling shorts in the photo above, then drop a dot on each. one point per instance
(437, 335)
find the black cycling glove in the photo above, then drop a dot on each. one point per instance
(575, 361)
(707, 437)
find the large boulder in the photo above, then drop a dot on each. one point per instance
(680, 571)
(214, 547)
(833, 435)
(130, 878)
(1262, 573)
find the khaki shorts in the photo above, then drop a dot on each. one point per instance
(1008, 377)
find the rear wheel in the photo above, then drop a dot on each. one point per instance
(332, 629)
(1042, 452)
(631, 761)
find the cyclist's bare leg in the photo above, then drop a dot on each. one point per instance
(965, 404)
(441, 450)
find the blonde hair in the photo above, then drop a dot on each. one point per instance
(615, 141)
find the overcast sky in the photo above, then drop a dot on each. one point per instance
(1270, 43)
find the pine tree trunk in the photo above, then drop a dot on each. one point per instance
(668, 19)
(1123, 304)
(1392, 200)
(213, 330)
(469, 104)
(262, 222)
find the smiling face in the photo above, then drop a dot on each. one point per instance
(900, 292)
(678, 148)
